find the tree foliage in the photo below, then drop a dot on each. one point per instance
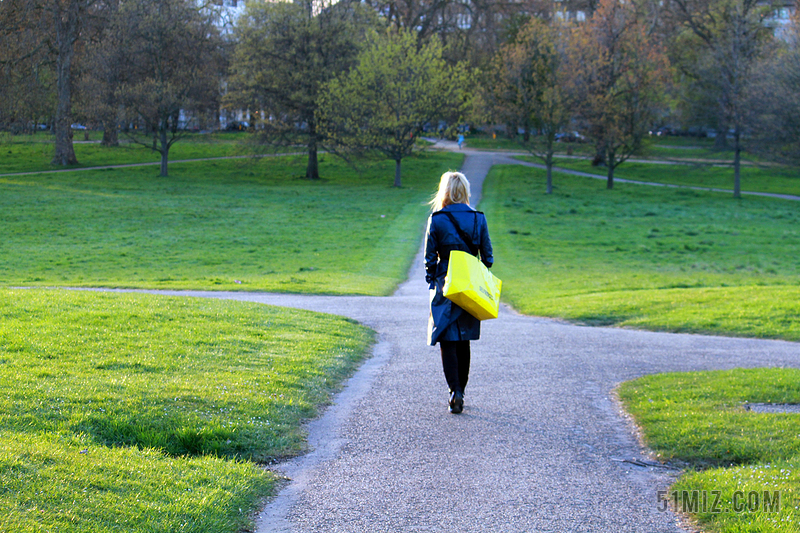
(471, 31)
(395, 91)
(775, 101)
(284, 53)
(46, 31)
(618, 76)
(129, 62)
(27, 75)
(101, 70)
(171, 69)
(68, 17)
(525, 86)
(725, 42)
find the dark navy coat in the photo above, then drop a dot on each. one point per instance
(447, 321)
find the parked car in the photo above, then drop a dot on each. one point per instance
(78, 127)
(662, 131)
(570, 137)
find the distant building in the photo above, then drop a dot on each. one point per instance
(229, 11)
(781, 18)
(563, 12)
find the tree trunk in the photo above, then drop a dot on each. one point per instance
(65, 153)
(312, 170)
(110, 133)
(511, 131)
(721, 140)
(549, 163)
(397, 182)
(599, 156)
(610, 164)
(173, 125)
(164, 152)
(66, 34)
(110, 109)
(737, 163)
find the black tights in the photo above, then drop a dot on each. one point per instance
(455, 361)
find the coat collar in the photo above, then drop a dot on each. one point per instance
(457, 207)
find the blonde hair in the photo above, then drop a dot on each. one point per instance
(453, 189)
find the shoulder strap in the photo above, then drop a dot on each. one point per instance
(473, 248)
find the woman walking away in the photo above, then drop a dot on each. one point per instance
(453, 225)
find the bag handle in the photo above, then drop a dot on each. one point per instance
(473, 248)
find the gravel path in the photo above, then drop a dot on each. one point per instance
(541, 446)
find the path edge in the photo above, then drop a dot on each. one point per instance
(324, 441)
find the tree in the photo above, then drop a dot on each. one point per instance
(101, 71)
(391, 95)
(284, 53)
(58, 25)
(470, 30)
(776, 124)
(726, 40)
(618, 76)
(67, 16)
(171, 72)
(27, 76)
(526, 87)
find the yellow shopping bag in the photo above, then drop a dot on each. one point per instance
(471, 286)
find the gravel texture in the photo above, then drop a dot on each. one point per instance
(791, 408)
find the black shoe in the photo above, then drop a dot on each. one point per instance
(456, 402)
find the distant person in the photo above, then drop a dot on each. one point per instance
(460, 140)
(449, 324)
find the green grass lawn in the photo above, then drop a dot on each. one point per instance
(502, 142)
(733, 456)
(646, 257)
(24, 153)
(777, 179)
(669, 148)
(230, 225)
(149, 414)
(683, 148)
